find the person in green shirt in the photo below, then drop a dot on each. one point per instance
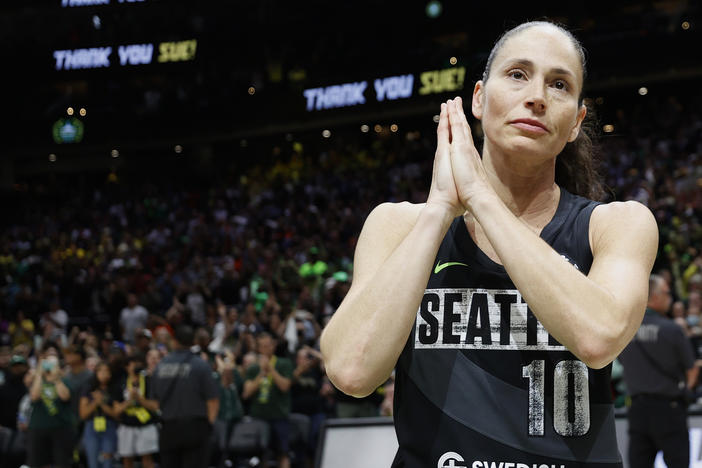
(52, 422)
(267, 387)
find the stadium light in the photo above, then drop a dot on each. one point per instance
(114, 153)
(69, 111)
(52, 157)
(453, 60)
(433, 9)
(643, 91)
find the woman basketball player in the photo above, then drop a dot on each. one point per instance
(502, 300)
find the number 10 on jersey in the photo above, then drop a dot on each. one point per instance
(571, 397)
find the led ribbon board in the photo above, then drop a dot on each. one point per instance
(132, 54)
(384, 89)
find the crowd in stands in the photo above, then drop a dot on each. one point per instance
(96, 277)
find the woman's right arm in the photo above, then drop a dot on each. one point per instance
(393, 260)
(392, 264)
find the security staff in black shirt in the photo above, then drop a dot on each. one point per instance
(659, 368)
(188, 397)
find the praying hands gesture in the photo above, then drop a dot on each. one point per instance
(458, 173)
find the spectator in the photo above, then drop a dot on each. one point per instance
(11, 393)
(50, 431)
(267, 386)
(78, 379)
(137, 434)
(54, 322)
(249, 323)
(306, 394)
(231, 410)
(153, 357)
(21, 330)
(224, 333)
(132, 317)
(5, 357)
(386, 407)
(201, 342)
(142, 341)
(106, 343)
(100, 407)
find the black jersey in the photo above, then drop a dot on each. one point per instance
(481, 383)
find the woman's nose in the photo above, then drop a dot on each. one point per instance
(536, 97)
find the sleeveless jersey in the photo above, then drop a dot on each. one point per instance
(481, 383)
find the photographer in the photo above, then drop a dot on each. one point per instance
(51, 426)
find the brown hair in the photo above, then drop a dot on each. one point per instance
(576, 166)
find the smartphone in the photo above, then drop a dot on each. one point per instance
(48, 366)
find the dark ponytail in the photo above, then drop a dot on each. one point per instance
(577, 168)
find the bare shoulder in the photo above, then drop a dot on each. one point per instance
(628, 221)
(394, 216)
(385, 227)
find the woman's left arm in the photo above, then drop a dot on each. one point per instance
(594, 316)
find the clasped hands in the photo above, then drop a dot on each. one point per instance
(458, 176)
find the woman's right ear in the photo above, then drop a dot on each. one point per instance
(478, 98)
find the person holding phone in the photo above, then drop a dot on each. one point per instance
(51, 425)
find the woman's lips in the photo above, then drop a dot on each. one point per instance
(529, 126)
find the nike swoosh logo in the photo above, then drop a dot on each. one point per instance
(440, 266)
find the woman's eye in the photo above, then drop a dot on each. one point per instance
(560, 84)
(516, 74)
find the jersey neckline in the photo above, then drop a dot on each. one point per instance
(468, 245)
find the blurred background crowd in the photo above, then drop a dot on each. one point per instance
(104, 272)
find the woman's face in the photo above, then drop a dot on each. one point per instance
(152, 358)
(529, 104)
(103, 373)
